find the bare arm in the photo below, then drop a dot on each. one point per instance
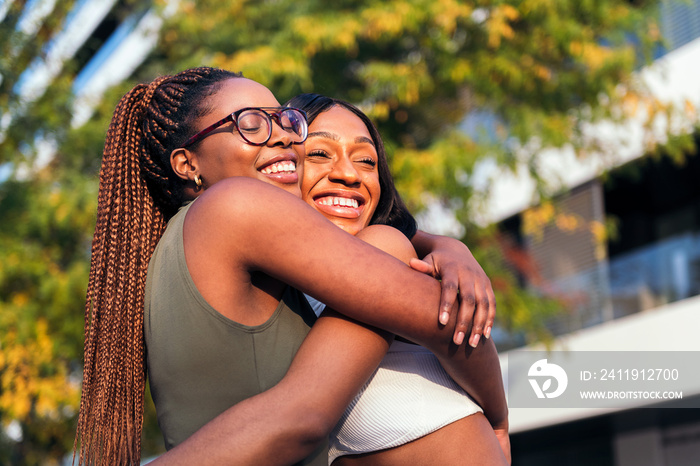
(285, 423)
(477, 370)
(248, 225)
(462, 277)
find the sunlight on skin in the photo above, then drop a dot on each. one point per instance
(341, 179)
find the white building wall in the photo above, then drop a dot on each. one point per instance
(673, 78)
(673, 327)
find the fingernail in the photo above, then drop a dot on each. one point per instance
(474, 340)
(487, 332)
(459, 338)
(444, 317)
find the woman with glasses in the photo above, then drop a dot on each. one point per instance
(221, 325)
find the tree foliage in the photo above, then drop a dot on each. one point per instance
(47, 217)
(449, 83)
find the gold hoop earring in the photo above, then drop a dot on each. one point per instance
(198, 181)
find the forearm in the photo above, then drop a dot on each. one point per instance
(463, 280)
(265, 429)
(478, 371)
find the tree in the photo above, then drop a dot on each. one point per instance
(44, 254)
(520, 75)
(48, 192)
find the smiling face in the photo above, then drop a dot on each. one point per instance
(224, 153)
(341, 179)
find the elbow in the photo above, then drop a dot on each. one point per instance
(315, 425)
(305, 430)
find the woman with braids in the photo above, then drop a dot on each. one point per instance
(220, 323)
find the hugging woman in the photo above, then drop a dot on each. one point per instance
(206, 152)
(410, 411)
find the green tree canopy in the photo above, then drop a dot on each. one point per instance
(516, 73)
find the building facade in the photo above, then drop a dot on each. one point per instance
(641, 293)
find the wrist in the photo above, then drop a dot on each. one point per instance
(422, 243)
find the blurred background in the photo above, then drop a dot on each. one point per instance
(556, 138)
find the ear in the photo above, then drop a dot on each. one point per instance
(185, 163)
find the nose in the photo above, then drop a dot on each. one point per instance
(343, 171)
(279, 137)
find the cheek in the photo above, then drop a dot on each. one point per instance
(374, 187)
(309, 177)
(233, 163)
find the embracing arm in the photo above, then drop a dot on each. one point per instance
(480, 372)
(451, 261)
(248, 224)
(286, 422)
(477, 369)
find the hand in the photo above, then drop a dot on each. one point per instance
(504, 442)
(461, 275)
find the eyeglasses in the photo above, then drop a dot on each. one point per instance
(254, 124)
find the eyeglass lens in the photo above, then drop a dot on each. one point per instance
(256, 127)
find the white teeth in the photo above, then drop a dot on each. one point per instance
(280, 167)
(339, 201)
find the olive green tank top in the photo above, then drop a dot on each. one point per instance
(200, 363)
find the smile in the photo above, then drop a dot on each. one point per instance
(338, 201)
(343, 206)
(280, 167)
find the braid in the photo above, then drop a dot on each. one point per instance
(138, 193)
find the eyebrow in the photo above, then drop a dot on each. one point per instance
(361, 139)
(335, 137)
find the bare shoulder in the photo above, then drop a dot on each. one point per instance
(230, 216)
(389, 240)
(236, 192)
(238, 200)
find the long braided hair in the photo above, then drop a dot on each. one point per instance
(138, 193)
